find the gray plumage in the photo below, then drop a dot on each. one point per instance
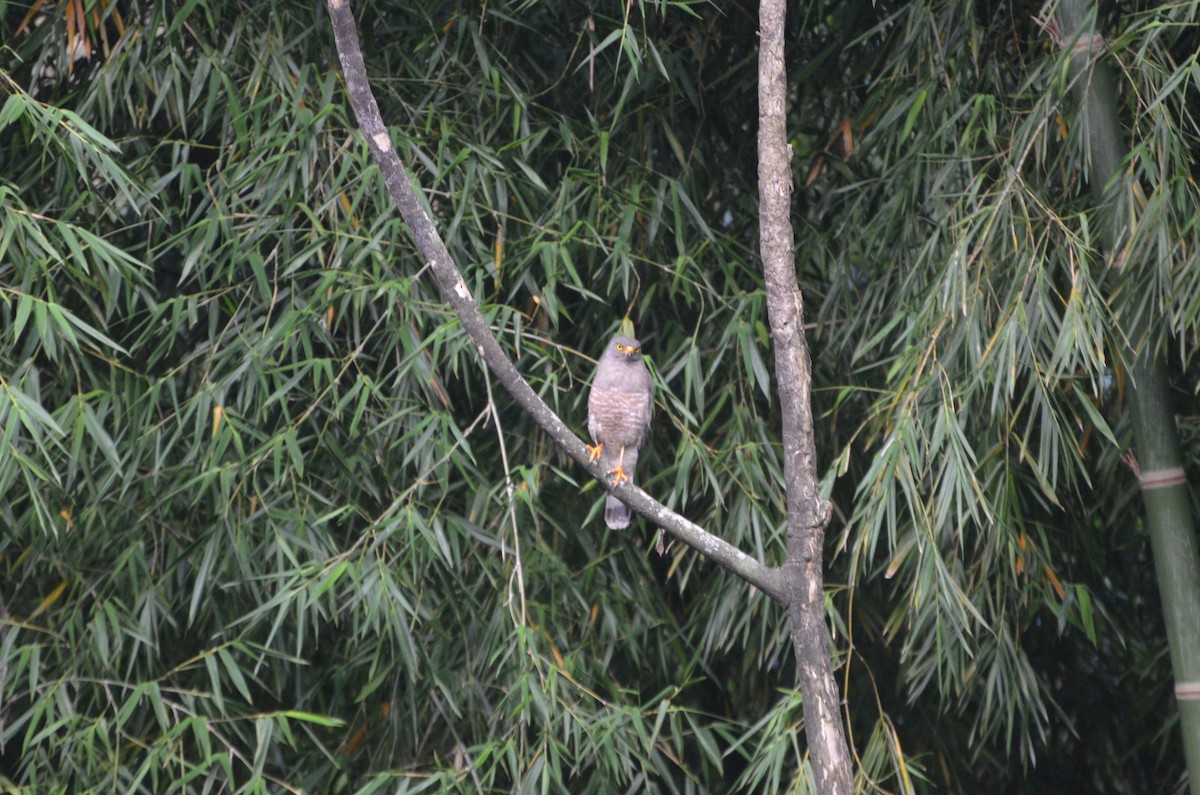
(619, 409)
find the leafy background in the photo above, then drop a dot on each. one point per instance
(269, 527)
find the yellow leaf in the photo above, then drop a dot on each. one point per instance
(1058, 586)
(344, 200)
(49, 601)
(908, 787)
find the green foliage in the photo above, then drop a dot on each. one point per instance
(989, 487)
(269, 527)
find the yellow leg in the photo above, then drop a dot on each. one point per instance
(594, 451)
(619, 470)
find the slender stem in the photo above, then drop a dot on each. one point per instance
(1165, 490)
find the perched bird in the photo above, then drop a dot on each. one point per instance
(619, 408)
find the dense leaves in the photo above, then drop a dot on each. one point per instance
(268, 526)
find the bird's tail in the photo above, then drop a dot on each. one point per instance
(616, 514)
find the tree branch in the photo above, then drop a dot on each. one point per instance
(807, 512)
(458, 295)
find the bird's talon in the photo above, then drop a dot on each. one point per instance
(594, 452)
(619, 475)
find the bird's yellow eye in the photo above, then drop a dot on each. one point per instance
(620, 347)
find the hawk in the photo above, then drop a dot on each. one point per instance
(619, 408)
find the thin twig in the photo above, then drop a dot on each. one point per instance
(518, 569)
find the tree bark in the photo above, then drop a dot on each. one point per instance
(808, 514)
(1164, 486)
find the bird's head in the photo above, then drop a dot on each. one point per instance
(626, 348)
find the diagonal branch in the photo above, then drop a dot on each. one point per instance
(458, 295)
